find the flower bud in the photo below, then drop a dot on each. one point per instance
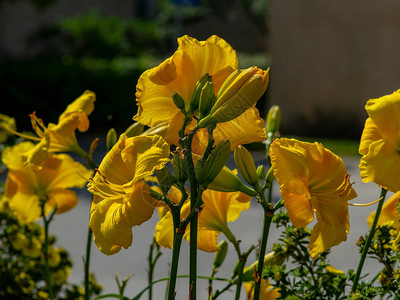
(134, 130)
(269, 260)
(245, 164)
(260, 172)
(194, 101)
(220, 254)
(179, 168)
(227, 181)
(207, 98)
(273, 119)
(270, 176)
(239, 92)
(178, 101)
(207, 171)
(155, 194)
(111, 139)
(165, 179)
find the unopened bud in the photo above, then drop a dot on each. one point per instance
(227, 181)
(156, 195)
(260, 172)
(269, 260)
(270, 176)
(273, 120)
(111, 139)
(207, 98)
(134, 130)
(245, 164)
(165, 179)
(194, 101)
(179, 168)
(178, 101)
(220, 254)
(214, 164)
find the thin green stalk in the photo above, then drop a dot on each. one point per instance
(46, 249)
(87, 262)
(218, 293)
(152, 264)
(369, 239)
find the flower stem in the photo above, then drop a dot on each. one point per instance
(174, 265)
(87, 262)
(46, 249)
(369, 239)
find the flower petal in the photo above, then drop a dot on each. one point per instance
(369, 135)
(389, 212)
(26, 207)
(63, 199)
(380, 165)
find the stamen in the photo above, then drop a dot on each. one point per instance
(28, 137)
(366, 204)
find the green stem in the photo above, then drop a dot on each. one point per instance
(46, 249)
(87, 262)
(369, 239)
(218, 293)
(152, 264)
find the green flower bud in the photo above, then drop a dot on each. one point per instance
(207, 171)
(134, 130)
(178, 101)
(165, 179)
(261, 172)
(269, 260)
(111, 139)
(194, 101)
(207, 98)
(179, 168)
(220, 254)
(155, 194)
(273, 119)
(245, 164)
(270, 176)
(227, 181)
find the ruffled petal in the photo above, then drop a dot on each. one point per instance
(247, 128)
(385, 113)
(369, 135)
(389, 212)
(380, 165)
(111, 226)
(331, 229)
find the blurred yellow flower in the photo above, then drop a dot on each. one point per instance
(218, 209)
(6, 122)
(25, 186)
(121, 197)
(60, 276)
(61, 137)
(267, 292)
(180, 73)
(19, 241)
(33, 249)
(389, 212)
(313, 179)
(380, 142)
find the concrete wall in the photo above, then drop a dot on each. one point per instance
(329, 57)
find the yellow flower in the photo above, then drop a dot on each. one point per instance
(313, 179)
(218, 209)
(60, 276)
(6, 122)
(180, 73)
(267, 292)
(33, 249)
(121, 196)
(19, 241)
(62, 135)
(380, 142)
(25, 186)
(334, 271)
(389, 212)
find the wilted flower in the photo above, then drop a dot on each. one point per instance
(312, 180)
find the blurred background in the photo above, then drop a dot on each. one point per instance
(326, 57)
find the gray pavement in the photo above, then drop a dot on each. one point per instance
(71, 229)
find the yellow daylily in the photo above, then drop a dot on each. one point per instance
(121, 197)
(26, 186)
(218, 209)
(313, 179)
(180, 73)
(389, 212)
(62, 135)
(267, 292)
(380, 142)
